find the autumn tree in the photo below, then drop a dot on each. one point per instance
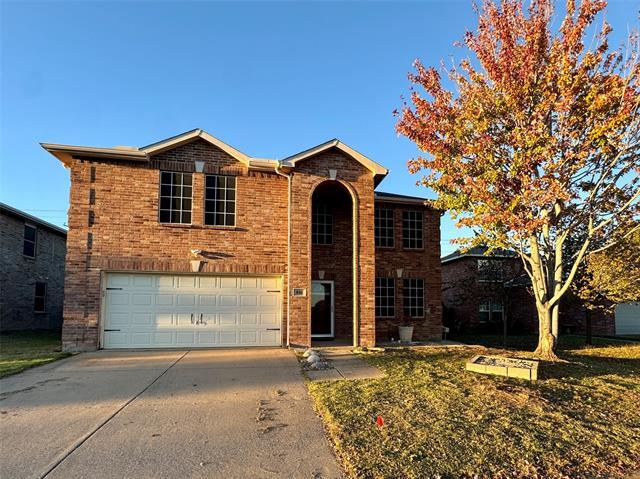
(538, 136)
(610, 276)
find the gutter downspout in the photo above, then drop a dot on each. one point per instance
(288, 176)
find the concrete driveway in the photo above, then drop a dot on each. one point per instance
(163, 414)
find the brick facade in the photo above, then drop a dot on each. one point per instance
(113, 226)
(423, 263)
(463, 293)
(19, 274)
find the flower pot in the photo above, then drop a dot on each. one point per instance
(405, 333)
(196, 265)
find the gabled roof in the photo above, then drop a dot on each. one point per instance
(16, 213)
(66, 153)
(479, 252)
(374, 167)
(190, 136)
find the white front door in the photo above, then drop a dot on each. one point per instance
(322, 309)
(173, 311)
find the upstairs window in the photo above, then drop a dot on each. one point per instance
(321, 224)
(40, 299)
(175, 197)
(412, 229)
(490, 270)
(220, 200)
(385, 298)
(384, 228)
(30, 239)
(413, 297)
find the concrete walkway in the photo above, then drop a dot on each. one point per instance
(343, 365)
(163, 414)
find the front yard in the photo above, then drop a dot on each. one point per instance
(580, 420)
(23, 350)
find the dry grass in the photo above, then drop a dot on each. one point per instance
(582, 419)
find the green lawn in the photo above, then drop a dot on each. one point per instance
(582, 419)
(23, 350)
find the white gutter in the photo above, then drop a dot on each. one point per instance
(288, 177)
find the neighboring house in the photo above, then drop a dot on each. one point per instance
(479, 291)
(189, 242)
(32, 254)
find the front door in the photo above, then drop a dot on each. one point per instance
(322, 308)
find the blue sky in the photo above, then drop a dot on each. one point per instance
(271, 79)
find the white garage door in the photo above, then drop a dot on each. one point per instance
(628, 318)
(173, 311)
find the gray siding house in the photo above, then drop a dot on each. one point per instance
(32, 254)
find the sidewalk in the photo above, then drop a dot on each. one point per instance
(343, 364)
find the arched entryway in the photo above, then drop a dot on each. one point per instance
(332, 265)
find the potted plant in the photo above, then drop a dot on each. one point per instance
(405, 330)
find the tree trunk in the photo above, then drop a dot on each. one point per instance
(587, 314)
(547, 342)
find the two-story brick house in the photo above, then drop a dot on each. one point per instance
(481, 293)
(32, 253)
(189, 242)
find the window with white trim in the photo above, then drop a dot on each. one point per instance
(385, 298)
(40, 298)
(321, 224)
(220, 200)
(412, 229)
(384, 228)
(29, 241)
(413, 297)
(175, 197)
(491, 311)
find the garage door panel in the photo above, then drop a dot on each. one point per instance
(141, 299)
(207, 300)
(184, 319)
(228, 282)
(164, 300)
(118, 299)
(142, 318)
(118, 280)
(227, 319)
(186, 299)
(164, 319)
(165, 282)
(143, 339)
(163, 338)
(207, 282)
(160, 310)
(249, 300)
(269, 283)
(268, 300)
(249, 283)
(267, 337)
(117, 338)
(228, 300)
(249, 318)
(185, 338)
(186, 282)
(268, 319)
(142, 281)
(207, 338)
(248, 337)
(228, 338)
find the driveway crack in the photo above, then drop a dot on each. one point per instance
(87, 436)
